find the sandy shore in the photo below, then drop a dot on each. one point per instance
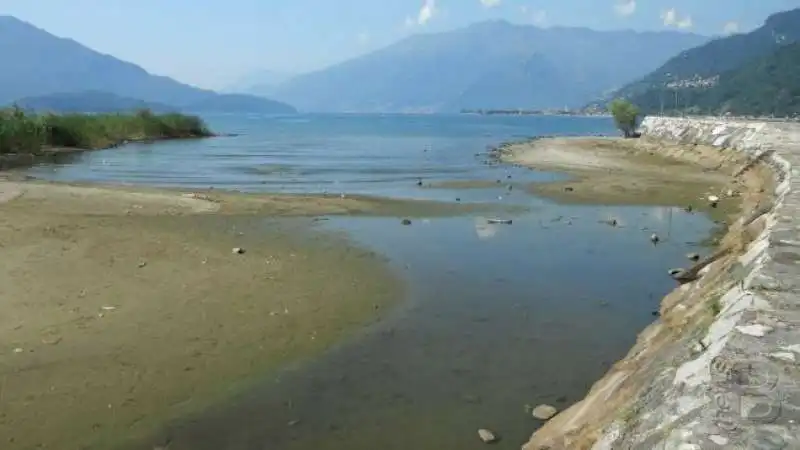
(124, 308)
(628, 172)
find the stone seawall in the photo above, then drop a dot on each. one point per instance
(720, 369)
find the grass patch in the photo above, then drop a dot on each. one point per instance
(24, 132)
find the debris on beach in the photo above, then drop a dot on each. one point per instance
(487, 436)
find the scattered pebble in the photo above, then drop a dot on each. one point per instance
(544, 412)
(569, 189)
(674, 272)
(693, 257)
(18, 350)
(142, 264)
(487, 436)
(237, 251)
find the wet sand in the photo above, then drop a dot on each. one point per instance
(123, 308)
(610, 171)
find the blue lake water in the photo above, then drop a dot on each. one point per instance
(498, 316)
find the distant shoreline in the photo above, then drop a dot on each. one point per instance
(522, 112)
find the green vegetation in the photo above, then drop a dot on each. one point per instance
(764, 86)
(22, 132)
(713, 59)
(625, 116)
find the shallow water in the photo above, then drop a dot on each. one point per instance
(499, 316)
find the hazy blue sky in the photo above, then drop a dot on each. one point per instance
(211, 43)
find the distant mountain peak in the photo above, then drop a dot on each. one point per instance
(41, 64)
(446, 70)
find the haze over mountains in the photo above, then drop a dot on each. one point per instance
(492, 64)
(39, 64)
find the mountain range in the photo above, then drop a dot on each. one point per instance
(41, 64)
(751, 73)
(492, 64)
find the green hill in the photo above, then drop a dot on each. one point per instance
(763, 87)
(692, 72)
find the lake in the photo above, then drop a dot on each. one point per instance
(498, 317)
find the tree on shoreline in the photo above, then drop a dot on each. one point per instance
(626, 115)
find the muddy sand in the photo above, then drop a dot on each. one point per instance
(123, 309)
(629, 172)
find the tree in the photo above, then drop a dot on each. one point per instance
(625, 116)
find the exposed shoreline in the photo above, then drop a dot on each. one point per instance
(147, 314)
(687, 310)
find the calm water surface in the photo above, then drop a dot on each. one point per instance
(499, 317)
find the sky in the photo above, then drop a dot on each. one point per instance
(211, 43)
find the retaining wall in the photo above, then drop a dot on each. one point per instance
(733, 383)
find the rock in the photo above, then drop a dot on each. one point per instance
(682, 276)
(406, 222)
(693, 257)
(487, 436)
(544, 412)
(142, 264)
(569, 189)
(237, 251)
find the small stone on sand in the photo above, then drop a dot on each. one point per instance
(237, 251)
(487, 436)
(544, 412)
